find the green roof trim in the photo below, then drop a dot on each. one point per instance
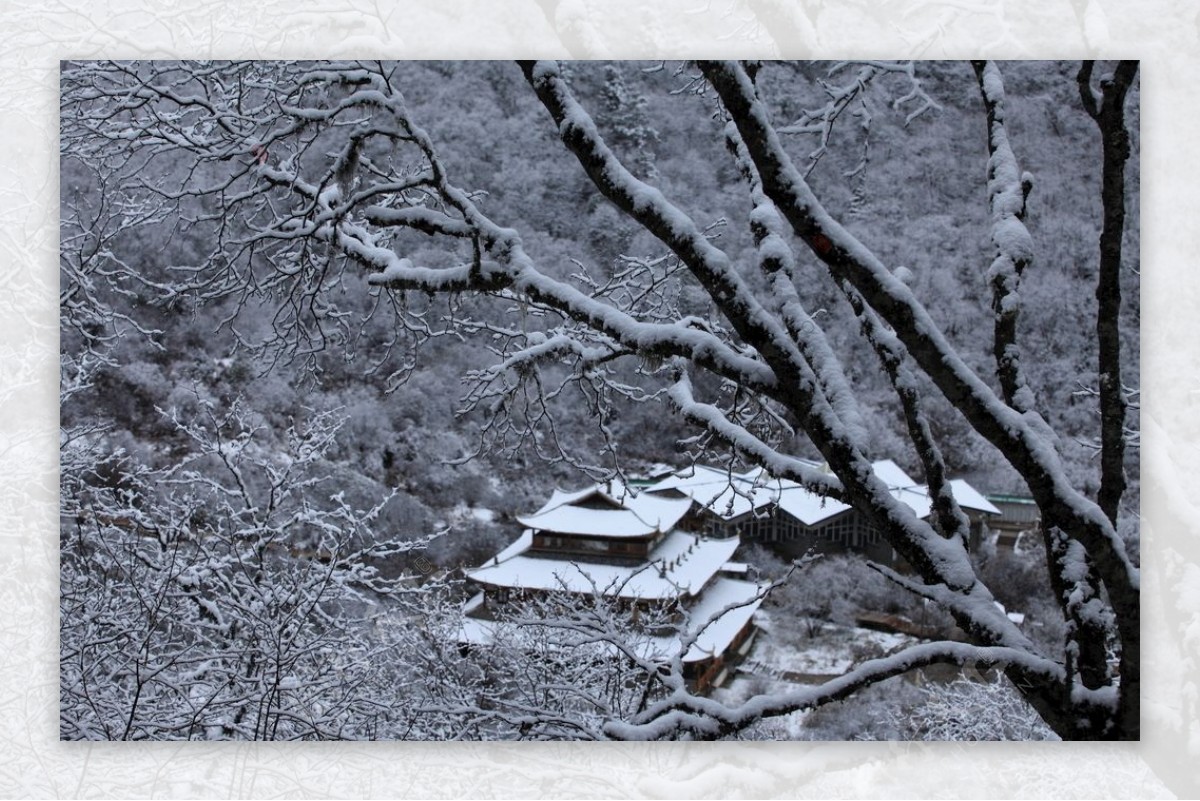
(1010, 499)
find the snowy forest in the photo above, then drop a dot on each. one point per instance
(328, 329)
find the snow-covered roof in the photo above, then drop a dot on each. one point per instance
(515, 547)
(613, 512)
(652, 472)
(916, 498)
(719, 614)
(680, 565)
(890, 473)
(968, 497)
(595, 522)
(808, 507)
(731, 495)
(971, 498)
(728, 495)
(739, 599)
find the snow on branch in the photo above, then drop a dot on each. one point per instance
(743, 442)
(821, 121)
(1023, 442)
(949, 518)
(1008, 193)
(707, 718)
(670, 225)
(777, 262)
(200, 603)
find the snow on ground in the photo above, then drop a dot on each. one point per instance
(743, 687)
(784, 655)
(482, 514)
(783, 649)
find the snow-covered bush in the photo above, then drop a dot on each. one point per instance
(989, 708)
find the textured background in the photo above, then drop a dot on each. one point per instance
(35, 34)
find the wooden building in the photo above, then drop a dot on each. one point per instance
(636, 550)
(792, 520)
(1018, 514)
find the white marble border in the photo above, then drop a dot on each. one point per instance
(35, 34)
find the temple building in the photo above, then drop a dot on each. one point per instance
(662, 552)
(792, 520)
(630, 548)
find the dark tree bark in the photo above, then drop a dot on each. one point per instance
(1108, 110)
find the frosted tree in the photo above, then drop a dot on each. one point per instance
(222, 597)
(968, 709)
(312, 182)
(630, 128)
(560, 666)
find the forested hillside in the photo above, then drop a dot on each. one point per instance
(346, 420)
